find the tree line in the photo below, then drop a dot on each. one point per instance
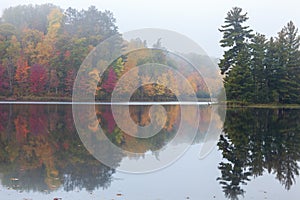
(43, 46)
(258, 69)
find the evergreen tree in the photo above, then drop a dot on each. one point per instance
(236, 61)
(258, 68)
(272, 71)
(291, 44)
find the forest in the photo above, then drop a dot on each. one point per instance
(258, 69)
(42, 48)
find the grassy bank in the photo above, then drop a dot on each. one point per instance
(233, 104)
(36, 98)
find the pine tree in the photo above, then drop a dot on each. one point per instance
(292, 44)
(288, 61)
(235, 63)
(258, 68)
(272, 71)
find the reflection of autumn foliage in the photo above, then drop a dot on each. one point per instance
(45, 149)
(140, 115)
(108, 118)
(68, 119)
(3, 117)
(21, 128)
(38, 120)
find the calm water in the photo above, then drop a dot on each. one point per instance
(252, 154)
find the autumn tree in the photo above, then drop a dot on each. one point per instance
(53, 81)
(69, 81)
(38, 79)
(4, 83)
(109, 84)
(28, 16)
(22, 77)
(13, 53)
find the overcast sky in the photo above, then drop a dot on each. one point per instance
(196, 19)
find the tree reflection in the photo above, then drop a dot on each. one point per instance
(257, 141)
(40, 151)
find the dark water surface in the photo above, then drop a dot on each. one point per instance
(252, 154)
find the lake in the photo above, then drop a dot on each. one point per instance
(251, 154)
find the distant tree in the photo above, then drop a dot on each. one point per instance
(28, 16)
(91, 24)
(7, 30)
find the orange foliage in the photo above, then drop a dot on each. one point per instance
(21, 128)
(22, 74)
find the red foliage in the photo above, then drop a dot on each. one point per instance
(38, 79)
(111, 81)
(67, 54)
(109, 119)
(38, 120)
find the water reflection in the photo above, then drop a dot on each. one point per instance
(40, 149)
(259, 141)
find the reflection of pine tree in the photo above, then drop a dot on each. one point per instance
(256, 140)
(234, 172)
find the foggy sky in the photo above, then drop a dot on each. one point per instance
(196, 19)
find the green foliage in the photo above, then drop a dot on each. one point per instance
(256, 69)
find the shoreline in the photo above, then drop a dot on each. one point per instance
(231, 104)
(134, 103)
(68, 101)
